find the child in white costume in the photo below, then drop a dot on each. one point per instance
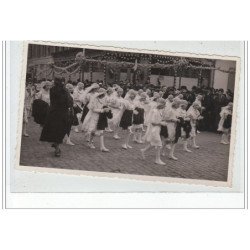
(182, 110)
(117, 110)
(96, 107)
(127, 117)
(88, 94)
(225, 122)
(194, 115)
(78, 97)
(153, 132)
(149, 107)
(171, 118)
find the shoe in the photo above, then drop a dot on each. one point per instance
(70, 143)
(26, 135)
(187, 150)
(76, 130)
(124, 146)
(104, 150)
(195, 146)
(225, 143)
(168, 146)
(173, 157)
(160, 163)
(91, 145)
(128, 146)
(116, 137)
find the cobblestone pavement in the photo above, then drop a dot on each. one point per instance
(209, 162)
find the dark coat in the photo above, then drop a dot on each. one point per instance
(103, 119)
(58, 119)
(40, 111)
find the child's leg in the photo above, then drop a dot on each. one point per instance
(102, 145)
(91, 138)
(194, 142)
(127, 138)
(185, 146)
(171, 153)
(116, 129)
(135, 134)
(158, 157)
(224, 138)
(108, 129)
(143, 150)
(25, 129)
(68, 141)
(139, 140)
(163, 149)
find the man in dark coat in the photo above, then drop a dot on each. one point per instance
(56, 124)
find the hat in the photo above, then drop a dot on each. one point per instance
(109, 89)
(161, 101)
(131, 92)
(156, 95)
(48, 83)
(177, 100)
(183, 102)
(42, 84)
(80, 84)
(143, 96)
(69, 86)
(94, 85)
(196, 104)
(101, 91)
(119, 89)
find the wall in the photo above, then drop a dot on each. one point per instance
(221, 78)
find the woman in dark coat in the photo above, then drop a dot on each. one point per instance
(57, 122)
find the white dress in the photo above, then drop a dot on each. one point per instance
(170, 114)
(117, 104)
(148, 111)
(95, 108)
(223, 114)
(193, 114)
(153, 132)
(78, 96)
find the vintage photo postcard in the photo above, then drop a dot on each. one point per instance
(127, 113)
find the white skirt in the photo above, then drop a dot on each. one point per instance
(153, 135)
(171, 130)
(90, 122)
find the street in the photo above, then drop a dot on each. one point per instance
(209, 162)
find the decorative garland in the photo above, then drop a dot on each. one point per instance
(162, 63)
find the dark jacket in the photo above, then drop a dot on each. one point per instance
(58, 119)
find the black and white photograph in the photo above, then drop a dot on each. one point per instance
(128, 113)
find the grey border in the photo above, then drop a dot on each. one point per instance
(245, 142)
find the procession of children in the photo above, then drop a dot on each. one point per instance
(156, 121)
